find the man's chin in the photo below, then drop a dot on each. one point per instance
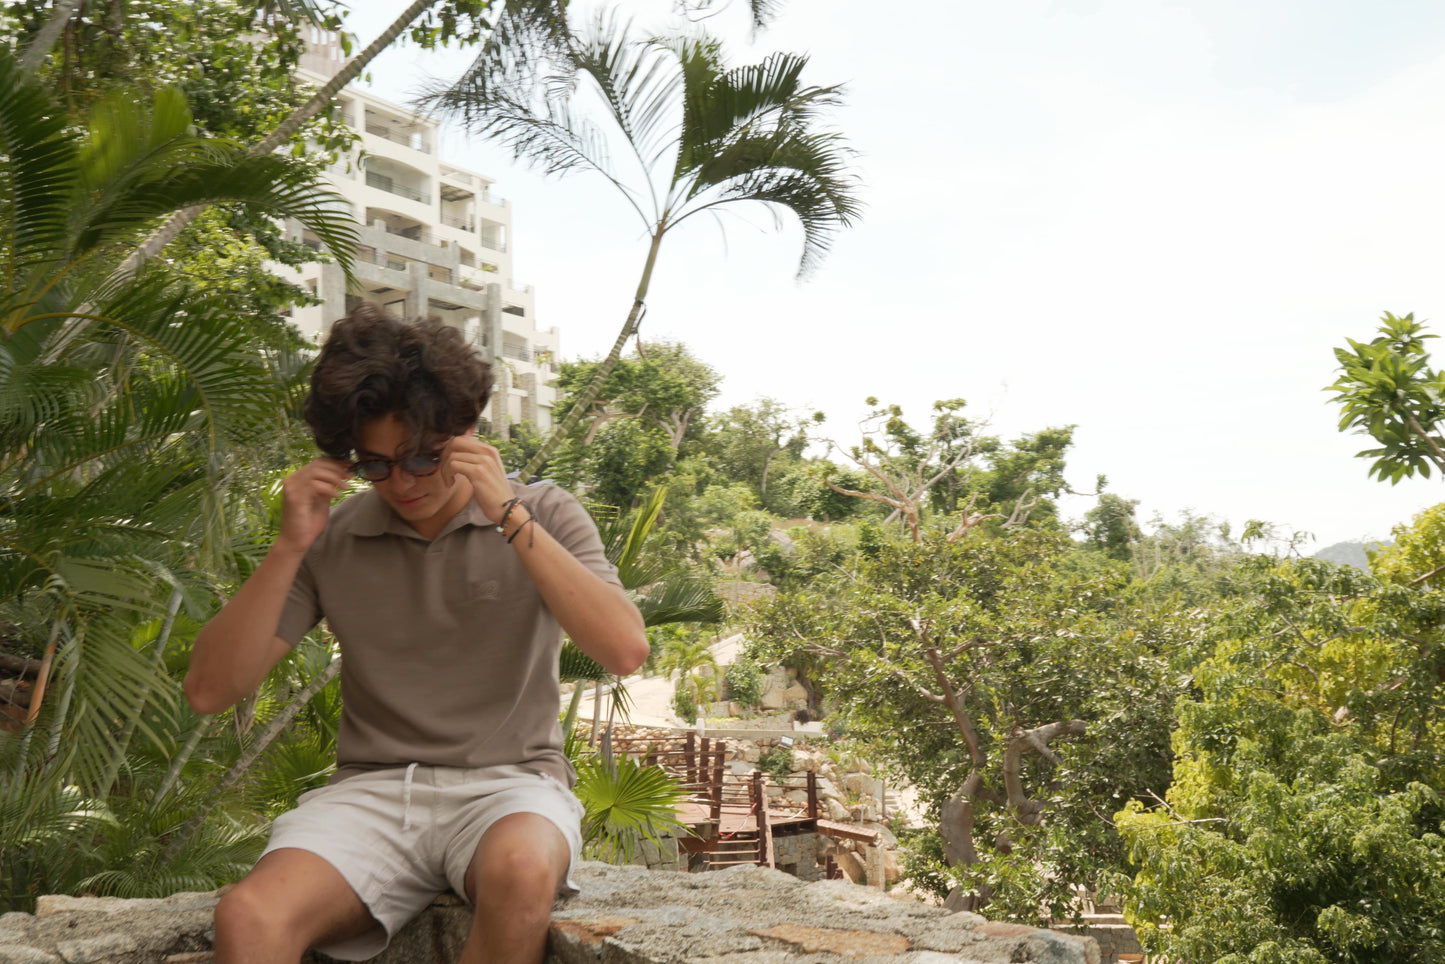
(409, 507)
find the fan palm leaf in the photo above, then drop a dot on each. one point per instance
(626, 802)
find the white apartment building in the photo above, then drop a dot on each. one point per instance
(434, 243)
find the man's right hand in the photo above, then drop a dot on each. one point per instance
(306, 502)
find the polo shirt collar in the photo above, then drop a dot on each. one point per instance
(373, 517)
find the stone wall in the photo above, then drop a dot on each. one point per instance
(624, 915)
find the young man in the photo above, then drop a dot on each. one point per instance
(446, 586)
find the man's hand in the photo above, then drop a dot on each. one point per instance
(481, 465)
(306, 501)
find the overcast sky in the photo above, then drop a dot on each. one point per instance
(1152, 220)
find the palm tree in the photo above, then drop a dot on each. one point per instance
(695, 133)
(686, 657)
(118, 448)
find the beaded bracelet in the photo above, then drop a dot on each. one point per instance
(507, 507)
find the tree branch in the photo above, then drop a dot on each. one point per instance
(1027, 811)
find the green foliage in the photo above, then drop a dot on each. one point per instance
(743, 681)
(776, 762)
(235, 65)
(1388, 390)
(1026, 637)
(626, 802)
(622, 460)
(1417, 555)
(801, 491)
(1110, 526)
(1304, 822)
(684, 702)
(704, 135)
(955, 468)
(751, 441)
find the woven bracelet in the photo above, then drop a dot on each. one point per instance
(531, 536)
(508, 506)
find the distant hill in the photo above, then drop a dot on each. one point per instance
(1350, 553)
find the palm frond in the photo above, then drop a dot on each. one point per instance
(681, 600)
(42, 159)
(576, 666)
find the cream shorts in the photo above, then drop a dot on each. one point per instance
(402, 836)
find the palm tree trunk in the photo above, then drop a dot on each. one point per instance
(173, 775)
(584, 401)
(43, 677)
(282, 720)
(123, 745)
(569, 722)
(41, 43)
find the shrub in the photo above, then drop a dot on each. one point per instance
(777, 762)
(682, 702)
(743, 681)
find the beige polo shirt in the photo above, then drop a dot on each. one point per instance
(449, 655)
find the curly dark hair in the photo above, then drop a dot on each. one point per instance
(374, 364)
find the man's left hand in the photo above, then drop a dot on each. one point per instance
(481, 465)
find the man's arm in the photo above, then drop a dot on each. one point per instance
(239, 646)
(599, 616)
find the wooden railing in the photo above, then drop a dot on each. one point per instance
(732, 812)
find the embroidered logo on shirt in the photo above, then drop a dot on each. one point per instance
(486, 589)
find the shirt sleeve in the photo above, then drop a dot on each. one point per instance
(559, 512)
(302, 610)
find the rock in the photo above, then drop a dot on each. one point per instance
(795, 697)
(623, 915)
(891, 871)
(24, 954)
(836, 811)
(91, 950)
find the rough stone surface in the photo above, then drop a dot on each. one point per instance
(108, 930)
(624, 915)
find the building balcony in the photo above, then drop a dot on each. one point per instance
(409, 139)
(461, 224)
(384, 182)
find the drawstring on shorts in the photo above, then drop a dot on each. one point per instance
(406, 797)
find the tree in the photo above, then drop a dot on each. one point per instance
(955, 468)
(749, 438)
(508, 37)
(1388, 390)
(1004, 680)
(1110, 526)
(124, 448)
(701, 135)
(651, 404)
(662, 384)
(686, 656)
(113, 448)
(1304, 824)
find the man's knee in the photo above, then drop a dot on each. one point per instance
(289, 901)
(522, 863)
(246, 913)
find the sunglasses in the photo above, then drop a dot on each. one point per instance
(379, 470)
